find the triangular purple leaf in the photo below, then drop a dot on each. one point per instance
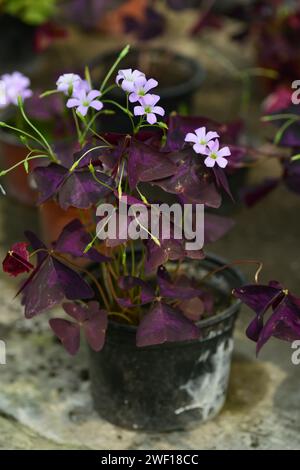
(165, 324)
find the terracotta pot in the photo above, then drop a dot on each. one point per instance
(53, 219)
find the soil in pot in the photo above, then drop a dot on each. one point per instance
(171, 386)
(179, 78)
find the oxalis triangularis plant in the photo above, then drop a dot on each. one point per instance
(136, 282)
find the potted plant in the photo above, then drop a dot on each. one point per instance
(156, 311)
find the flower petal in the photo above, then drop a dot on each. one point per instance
(190, 137)
(209, 162)
(224, 152)
(139, 110)
(158, 110)
(222, 162)
(93, 94)
(151, 118)
(98, 105)
(72, 102)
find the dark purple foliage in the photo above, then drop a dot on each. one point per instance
(147, 164)
(74, 239)
(127, 283)
(165, 324)
(284, 320)
(17, 260)
(170, 290)
(77, 188)
(53, 279)
(90, 318)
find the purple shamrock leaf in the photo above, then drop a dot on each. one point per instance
(174, 291)
(73, 241)
(90, 317)
(146, 163)
(192, 182)
(284, 321)
(169, 249)
(165, 324)
(147, 294)
(51, 281)
(17, 260)
(73, 186)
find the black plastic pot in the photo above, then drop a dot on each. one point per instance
(17, 44)
(171, 386)
(179, 78)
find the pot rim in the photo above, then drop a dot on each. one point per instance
(215, 319)
(190, 85)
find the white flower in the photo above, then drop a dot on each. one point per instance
(215, 155)
(128, 78)
(83, 101)
(141, 87)
(149, 109)
(200, 138)
(68, 82)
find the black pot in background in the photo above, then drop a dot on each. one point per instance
(17, 44)
(179, 78)
(170, 386)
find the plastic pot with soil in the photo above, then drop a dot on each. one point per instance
(173, 385)
(179, 77)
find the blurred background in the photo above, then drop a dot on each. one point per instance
(232, 61)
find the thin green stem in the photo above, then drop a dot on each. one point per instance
(126, 111)
(75, 164)
(20, 131)
(281, 131)
(121, 56)
(44, 140)
(4, 172)
(78, 130)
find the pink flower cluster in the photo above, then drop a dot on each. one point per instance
(207, 143)
(138, 86)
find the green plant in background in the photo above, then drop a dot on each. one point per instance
(33, 12)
